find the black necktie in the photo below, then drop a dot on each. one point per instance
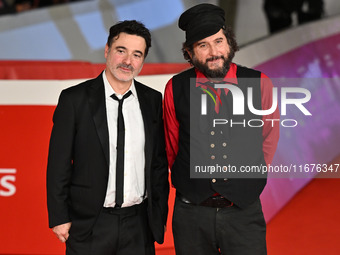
(120, 150)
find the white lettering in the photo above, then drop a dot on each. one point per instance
(7, 179)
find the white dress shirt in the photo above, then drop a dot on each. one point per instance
(134, 156)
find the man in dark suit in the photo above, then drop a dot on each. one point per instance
(107, 184)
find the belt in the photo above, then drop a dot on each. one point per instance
(124, 210)
(215, 201)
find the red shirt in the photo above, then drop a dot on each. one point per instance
(270, 129)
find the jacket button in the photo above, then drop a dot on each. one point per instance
(224, 144)
(213, 180)
(212, 145)
(212, 157)
(225, 156)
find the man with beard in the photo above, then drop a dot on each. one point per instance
(217, 215)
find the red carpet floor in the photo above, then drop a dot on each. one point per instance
(309, 223)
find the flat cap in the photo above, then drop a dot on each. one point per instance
(201, 21)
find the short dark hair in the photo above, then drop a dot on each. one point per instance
(229, 34)
(131, 27)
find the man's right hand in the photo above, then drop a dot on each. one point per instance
(62, 231)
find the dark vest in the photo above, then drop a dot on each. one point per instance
(201, 144)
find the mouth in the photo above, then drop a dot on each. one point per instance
(214, 59)
(215, 62)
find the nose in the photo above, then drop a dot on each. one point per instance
(213, 50)
(127, 59)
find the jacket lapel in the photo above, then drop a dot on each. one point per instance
(147, 119)
(96, 94)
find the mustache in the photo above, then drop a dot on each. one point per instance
(126, 66)
(214, 58)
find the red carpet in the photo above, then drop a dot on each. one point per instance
(309, 223)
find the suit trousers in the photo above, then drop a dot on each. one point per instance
(117, 231)
(202, 230)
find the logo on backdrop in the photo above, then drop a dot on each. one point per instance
(239, 103)
(7, 180)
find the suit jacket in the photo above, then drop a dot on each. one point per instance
(78, 161)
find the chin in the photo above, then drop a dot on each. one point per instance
(124, 78)
(216, 66)
(214, 69)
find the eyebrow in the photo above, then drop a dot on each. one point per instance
(124, 48)
(199, 43)
(120, 47)
(219, 38)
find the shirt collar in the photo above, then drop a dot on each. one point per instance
(229, 78)
(109, 90)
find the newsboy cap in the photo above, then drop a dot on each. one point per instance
(201, 21)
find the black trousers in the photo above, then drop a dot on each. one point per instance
(204, 230)
(122, 231)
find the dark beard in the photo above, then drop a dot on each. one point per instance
(219, 73)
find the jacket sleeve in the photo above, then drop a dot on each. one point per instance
(171, 125)
(271, 127)
(59, 167)
(160, 175)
